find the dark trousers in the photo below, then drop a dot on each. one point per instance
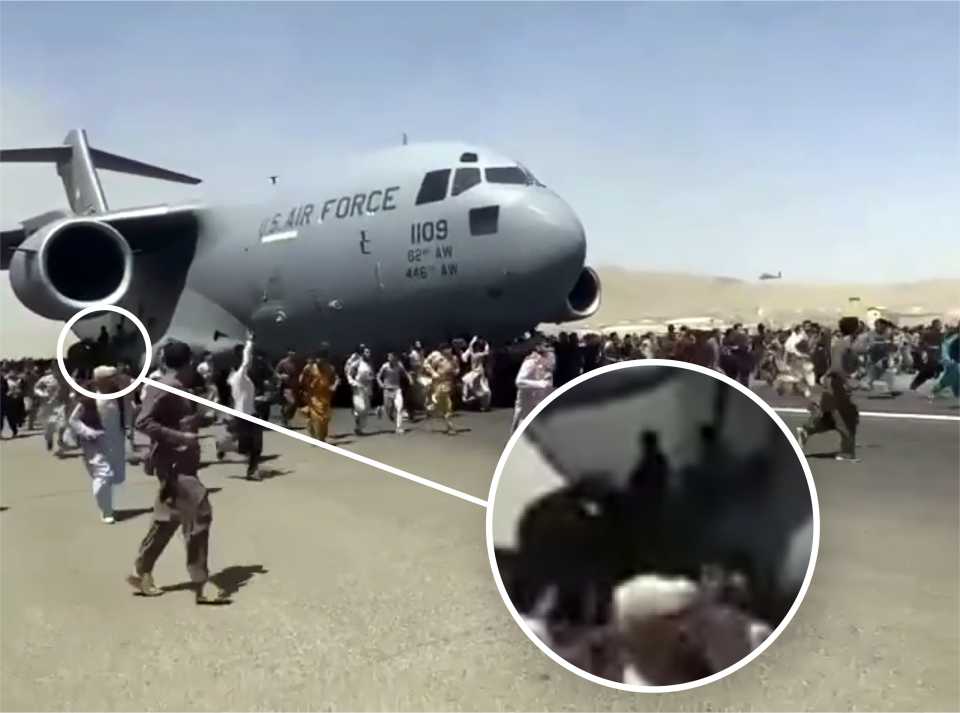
(249, 442)
(836, 412)
(925, 372)
(9, 416)
(288, 406)
(185, 505)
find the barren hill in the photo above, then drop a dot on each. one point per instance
(633, 296)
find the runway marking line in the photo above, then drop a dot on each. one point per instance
(882, 414)
(312, 441)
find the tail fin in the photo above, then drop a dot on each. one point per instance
(77, 165)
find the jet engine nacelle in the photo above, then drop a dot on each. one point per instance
(584, 299)
(69, 265)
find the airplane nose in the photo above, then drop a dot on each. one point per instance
(555, 234)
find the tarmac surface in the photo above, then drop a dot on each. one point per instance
(881, 401)
(360, 590)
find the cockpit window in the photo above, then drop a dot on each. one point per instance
(510, 175)
(465, 179)
(533, 179)
(434, 187)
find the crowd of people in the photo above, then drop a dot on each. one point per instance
(420, 384)
(405, 386)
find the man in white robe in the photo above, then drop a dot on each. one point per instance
(797, 355)
(534, 383)
(99, 427)
(476, 386)
(361, 377)
(207, 373)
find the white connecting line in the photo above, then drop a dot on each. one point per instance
(321, 444)
(883, 414)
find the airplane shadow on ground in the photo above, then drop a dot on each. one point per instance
(230, 579)
(124, 514)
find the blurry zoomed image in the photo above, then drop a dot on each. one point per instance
(653, 525)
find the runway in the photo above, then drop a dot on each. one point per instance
(357, 589)
(878, 404)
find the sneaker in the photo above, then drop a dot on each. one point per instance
(400, 431)
(802, 436)
(143, 585)
(107, 519)
(846, 458)
(204, 596)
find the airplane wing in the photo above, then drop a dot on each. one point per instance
(146, 229)
(77, 163)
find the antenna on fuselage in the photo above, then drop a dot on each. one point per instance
(273, 180)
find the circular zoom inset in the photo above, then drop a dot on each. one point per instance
(653, 526)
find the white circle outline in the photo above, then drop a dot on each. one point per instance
(148, 355)
(491, 500)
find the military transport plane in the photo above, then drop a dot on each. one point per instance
(425, 242)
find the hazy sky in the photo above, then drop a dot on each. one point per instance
(821, 139)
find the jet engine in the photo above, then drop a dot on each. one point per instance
(69, 265)
(584, 299)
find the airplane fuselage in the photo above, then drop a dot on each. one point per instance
(420, 242)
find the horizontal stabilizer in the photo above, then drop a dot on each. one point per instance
(77, 163)
(101, 159)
